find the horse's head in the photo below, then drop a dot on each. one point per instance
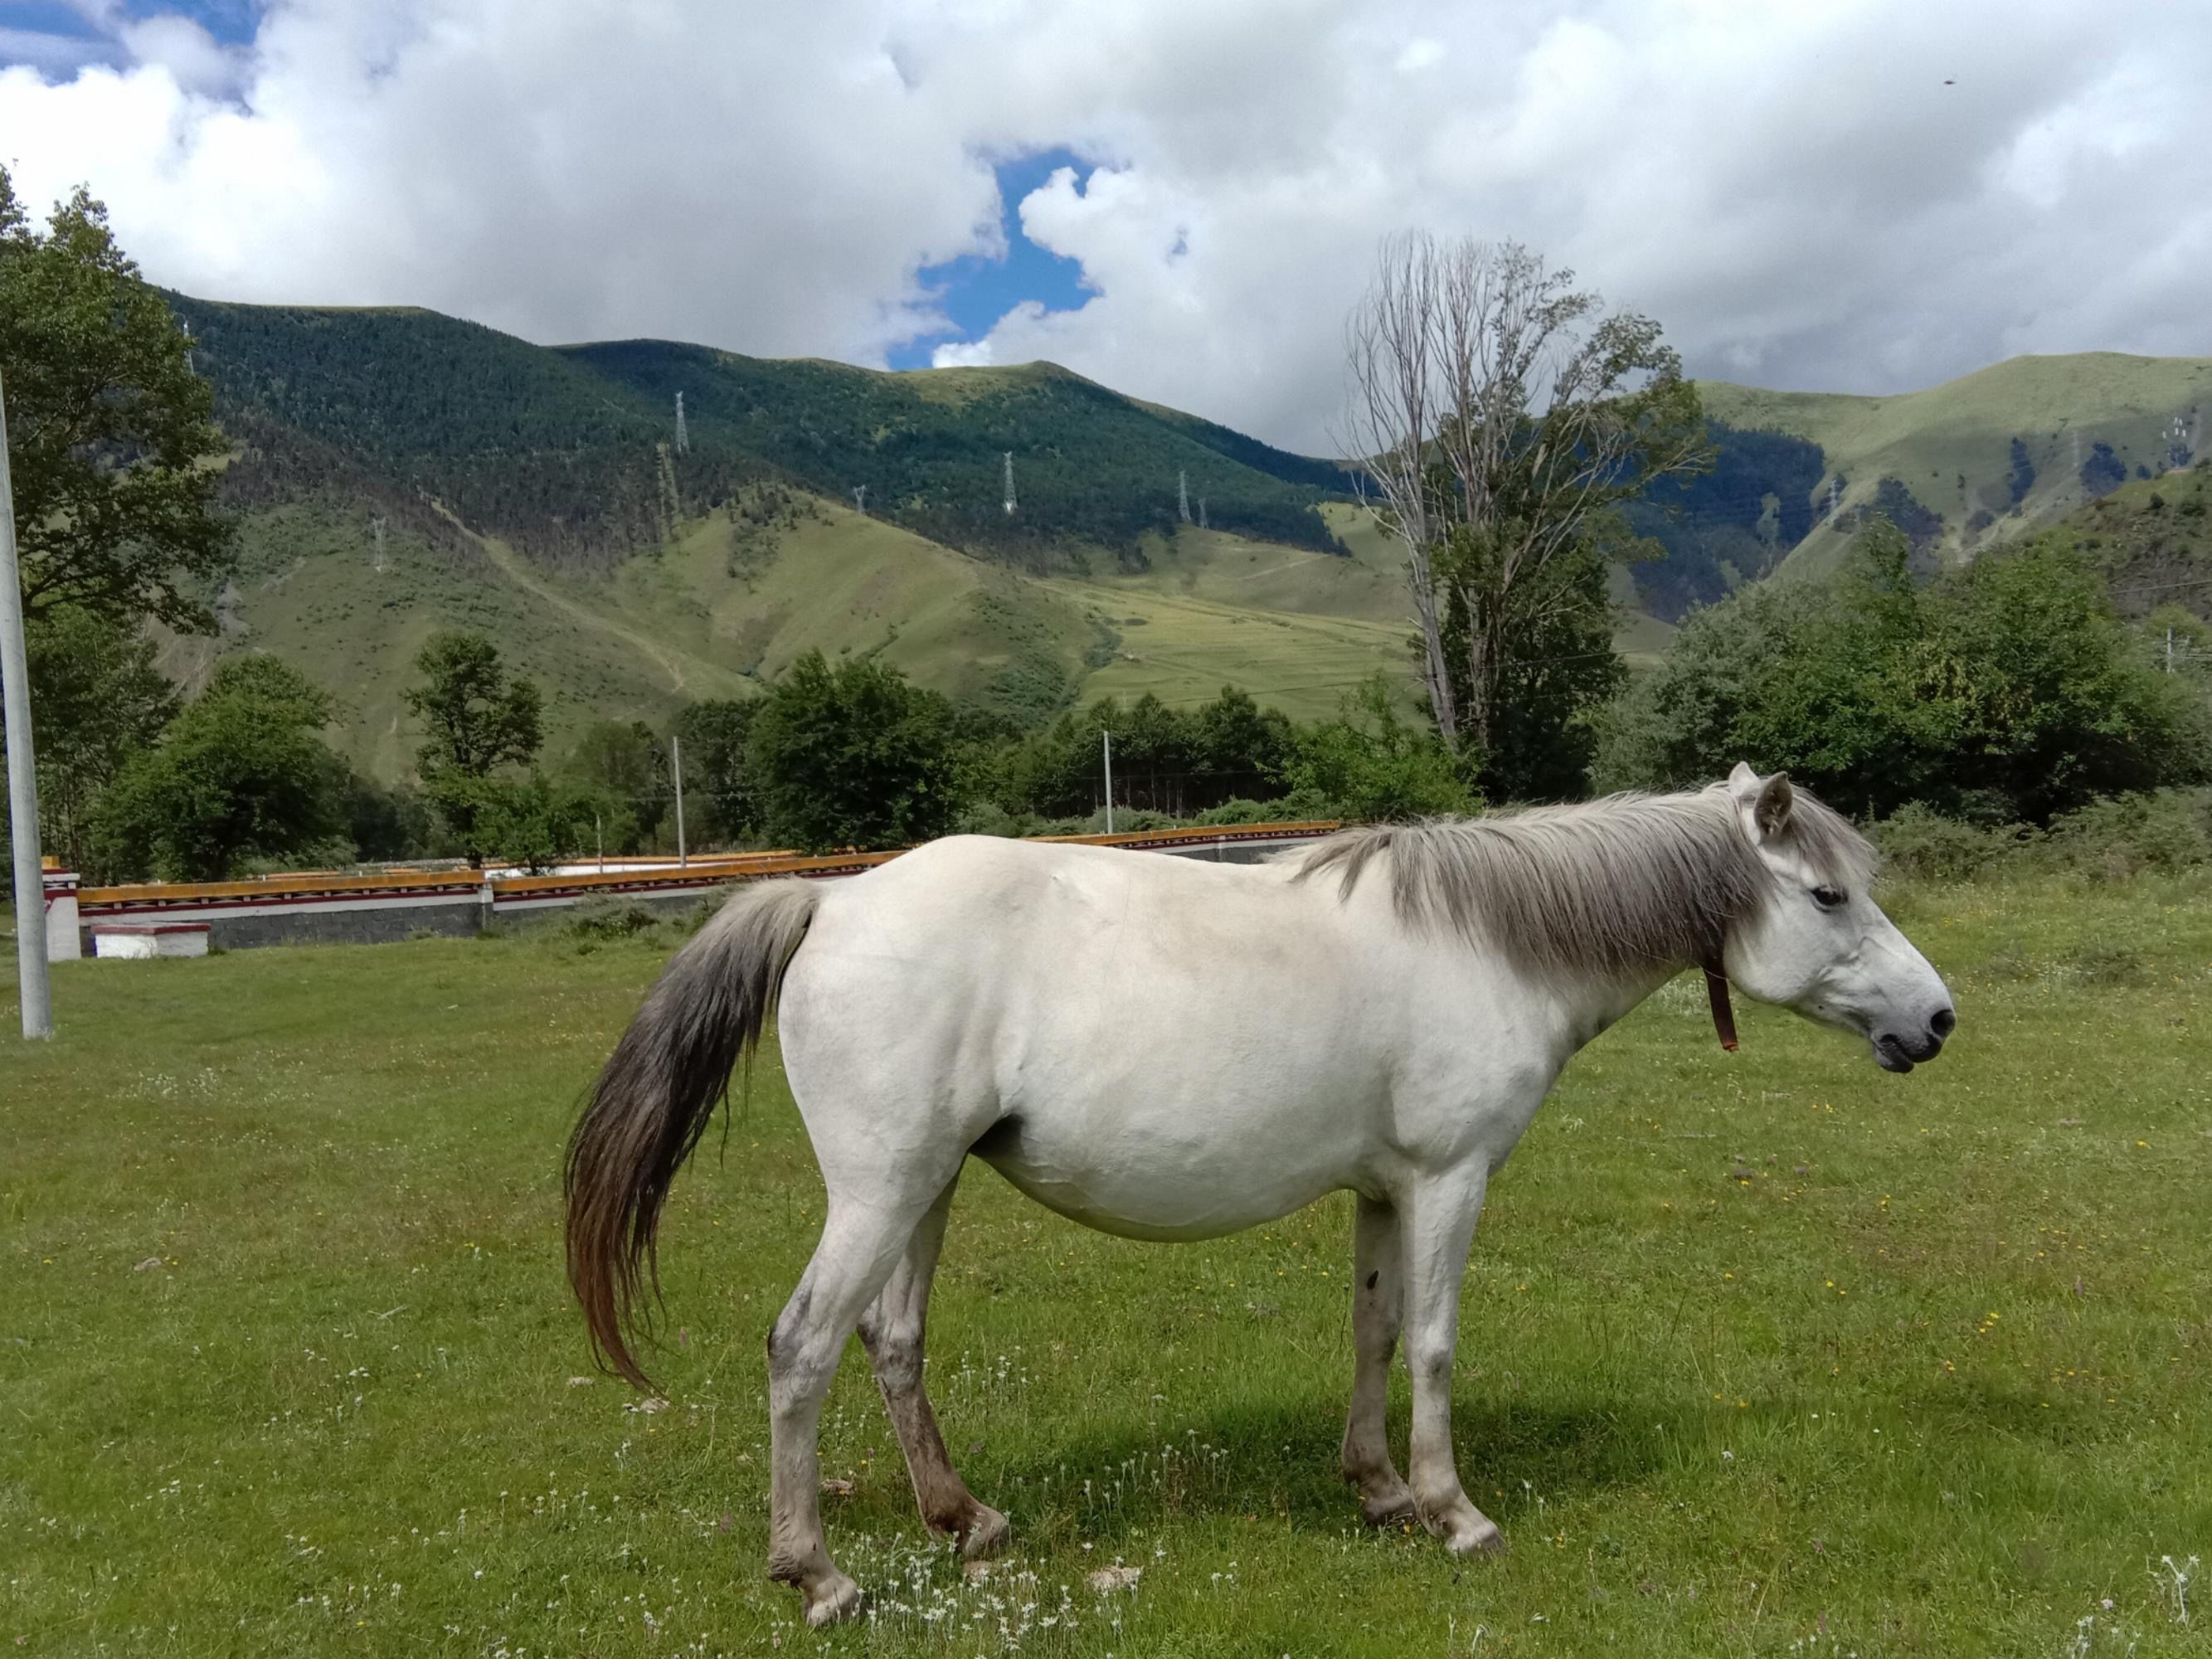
(1819, 943)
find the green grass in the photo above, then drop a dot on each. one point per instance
(1771, 1353)
(1951, 444)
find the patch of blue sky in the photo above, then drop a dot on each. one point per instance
(25, 23)
(975, 291)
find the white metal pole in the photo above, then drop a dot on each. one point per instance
(1106, 739)
(675, 755)
(599, 835)
(22, 771)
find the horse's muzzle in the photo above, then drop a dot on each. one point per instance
(1894, 1053)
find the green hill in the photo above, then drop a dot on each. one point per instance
(568, 453)
(1981, 460)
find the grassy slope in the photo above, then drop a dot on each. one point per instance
(1963, 429)
(2153, 538)
(1295, 628)
(288, 1357)
(309, 591)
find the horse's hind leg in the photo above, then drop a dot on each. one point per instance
(893, 1331)
(861, 1241)
(1378, 1301)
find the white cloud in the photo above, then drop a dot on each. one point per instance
(964, 354)
(1795, 191)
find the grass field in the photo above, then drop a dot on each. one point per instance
(1769, 1353)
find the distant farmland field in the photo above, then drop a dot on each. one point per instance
(1768, 1353)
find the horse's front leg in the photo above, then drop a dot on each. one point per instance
(1435, 1219)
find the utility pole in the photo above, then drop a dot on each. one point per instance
(1106, 738)
(860, 497)
(22, 771)
(1182, 496)
(599, 834)
(675, 759)
(376, 529)
(1010, 483)
(1201, 512)
(2169, 648)
(683, 435)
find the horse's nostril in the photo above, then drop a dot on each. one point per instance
(1943, 1025)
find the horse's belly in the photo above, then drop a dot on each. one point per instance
(1163, 1192)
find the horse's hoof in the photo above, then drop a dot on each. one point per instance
(1482, 1538)
(985, 1533)
(830, 1599)
(1389, 1507)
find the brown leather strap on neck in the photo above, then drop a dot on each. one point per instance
(1717, 993)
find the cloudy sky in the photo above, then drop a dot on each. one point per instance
(1179, 198)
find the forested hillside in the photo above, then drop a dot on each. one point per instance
(1730, 524)
(561, 451)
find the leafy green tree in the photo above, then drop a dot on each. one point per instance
(1168, 760)
(714, 734)
(622, 769)
(855, 755)
(476, 719)
(97, 700)
(1241, 748)
(2006, 691)
(386, 823)
(1370, 764)
(111, 436)
(536, 822)
(1550, 680)
(241, 773)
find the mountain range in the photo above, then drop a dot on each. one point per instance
(396, 471)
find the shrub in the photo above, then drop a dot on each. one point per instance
(2166, 829)
(2006, 691)
(611, 919)
(1920, 843)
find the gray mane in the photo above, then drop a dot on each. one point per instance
(1628, 881)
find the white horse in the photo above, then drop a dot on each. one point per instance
(1174, 1050)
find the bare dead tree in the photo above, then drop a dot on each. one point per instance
(1394, 407)
(1498, 413)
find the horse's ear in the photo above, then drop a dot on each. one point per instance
(1766, 803)
(1771, 811)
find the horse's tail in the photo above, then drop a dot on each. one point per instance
(653, 1102)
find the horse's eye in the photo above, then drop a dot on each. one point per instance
(1828, 898)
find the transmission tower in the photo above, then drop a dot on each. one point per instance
(668, 500)
(682, 436)
(1010, 483)
(376, 533)
(860, 496)
(188, 349)
(1182, 496)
